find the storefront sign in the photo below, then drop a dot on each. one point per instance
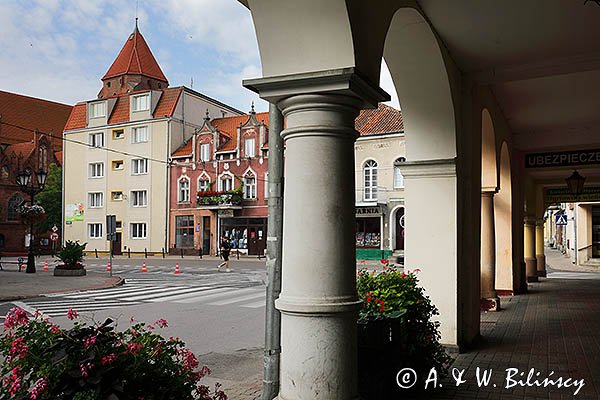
(225, 213)
(368, 211)
(590, 193)
(562, 159)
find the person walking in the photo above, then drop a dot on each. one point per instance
(225, 249)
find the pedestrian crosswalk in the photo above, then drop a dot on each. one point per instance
(148, 291)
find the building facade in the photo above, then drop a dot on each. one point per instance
(219, 186)
(29, 140)
(117, 152)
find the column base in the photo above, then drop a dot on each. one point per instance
(541, 264)
(532, 279)
(542, 274)
(531, 269)
(490, 304)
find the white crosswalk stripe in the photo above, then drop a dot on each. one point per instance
(139, 291)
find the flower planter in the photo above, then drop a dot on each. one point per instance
(69, 272)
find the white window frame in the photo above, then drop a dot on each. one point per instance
(370, 180)
(92, 169)
(249, 147)
(183, 194)
(205, 152)
(222, 179)
(134, 102)
(203, 179)
(95, 199)
(136, 163)
(139, 198)
(93, 139)
(249, 186)
(135, 136)
(98, 106)
(266, 185)
(136, 227)
(94, 230)
(398, 177)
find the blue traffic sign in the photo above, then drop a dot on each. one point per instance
(561, 219)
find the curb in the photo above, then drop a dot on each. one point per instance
(120, 281)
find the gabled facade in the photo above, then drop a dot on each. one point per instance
(219, 186)
(116, 158)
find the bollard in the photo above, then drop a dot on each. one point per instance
(238, 253)
(200, 252)
(129, 253)
(163, 252)
(145, 253)
(181, 253)
(96, 251)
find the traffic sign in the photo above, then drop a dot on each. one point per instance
(54, 236)
(55, 228)
(561, 219)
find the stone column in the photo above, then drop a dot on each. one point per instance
(489, 298)
(539, 248)
(318, 300)
(530, 261)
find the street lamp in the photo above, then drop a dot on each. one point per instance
(575, 183)
(31, 187)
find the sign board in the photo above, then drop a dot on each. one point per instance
(74, 212)
(590, 193)
(55, 228)
(54, 236)
(111, 227)
(225, 213)
(562, 158)
(561, 219)
(368, 211)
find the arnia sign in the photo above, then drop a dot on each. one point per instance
(562, 158)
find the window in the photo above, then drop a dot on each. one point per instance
(95, 231)
(97, 139)
(267, 185)
(98, 110)
(184, 231)
(249, 186)
(370, 180)
(398, 178)
(205, 152)
(95, 199)
(43, 158)
(226, 183)
(116, 195)
(5, 172)
(96, 170)
(119, 224)
(139, 198)
(139, 166)
(138, 230)
(139, 134)
(141, 102)
(13, 203)
(117, 165)
(249, 147)
(118, 134)
(203, 185)
(184, 190)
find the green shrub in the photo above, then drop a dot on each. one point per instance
(71, 254)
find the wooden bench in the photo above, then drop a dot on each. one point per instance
(19, 262)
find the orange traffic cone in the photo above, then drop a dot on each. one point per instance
(108, 267)
(177, 269)
(45, 265)
(144, 267)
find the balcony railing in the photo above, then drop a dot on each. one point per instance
(218, 199)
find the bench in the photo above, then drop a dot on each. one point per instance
(19, 262)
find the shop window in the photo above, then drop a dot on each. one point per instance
(184, 231)
(368, 232)
(370, 180)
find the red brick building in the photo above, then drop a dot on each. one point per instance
(30, 138)
(219, 186)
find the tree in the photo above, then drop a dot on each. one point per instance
(51, 199)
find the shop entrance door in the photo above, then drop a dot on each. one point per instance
(206, 235)
(256, 240)
(117, 245)
(400, 229)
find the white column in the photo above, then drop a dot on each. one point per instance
(318, 300)
(530, 261)
(489, 297)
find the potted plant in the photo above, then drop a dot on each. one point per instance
(395, 331)
(31, 213)
(39, 360)
(71, 255)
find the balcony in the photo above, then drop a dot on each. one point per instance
(219, 200)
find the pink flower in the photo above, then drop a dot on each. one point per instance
(161, 323)
(363, 261)
(38, 388)
(109, 359)
(72, 314)
(131, 320)
(151, 327)
(416, 270)
(134, 348)
(18, 348)
(189, 359)
(13, 381)
(55, 330)
(85, 369)
(90, 341)
(15, 317)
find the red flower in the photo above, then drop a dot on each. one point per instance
(417, 270)
(383, 261)
(72, 314)
(368, 299)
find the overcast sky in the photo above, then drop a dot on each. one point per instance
(59, 49)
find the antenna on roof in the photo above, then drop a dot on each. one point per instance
(192, 82)
(136, 15)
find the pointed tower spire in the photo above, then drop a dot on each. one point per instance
(136, 30)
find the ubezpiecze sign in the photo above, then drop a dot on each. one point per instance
(562, 158)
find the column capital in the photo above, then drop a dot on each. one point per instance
(441, 168)
(345, 81)
(529, 220)
(488, 190)
(539, 222)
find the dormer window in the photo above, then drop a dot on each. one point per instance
(205, 152)
(141, 102)
(98, 110)
(249, 147)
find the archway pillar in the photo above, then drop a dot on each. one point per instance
(318, 300)
(489, 298)
(539, 248)
(530, 260)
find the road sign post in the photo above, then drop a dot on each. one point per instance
(111, 236)
(561, 219)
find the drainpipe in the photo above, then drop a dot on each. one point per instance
(274, 243)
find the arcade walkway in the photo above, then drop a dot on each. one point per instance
(556, 327)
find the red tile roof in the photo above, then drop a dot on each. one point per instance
(59, 157)
(25, 149)
(229, 125)
(135, 58)
(30, 113)
(120, 113)
(383, 119)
